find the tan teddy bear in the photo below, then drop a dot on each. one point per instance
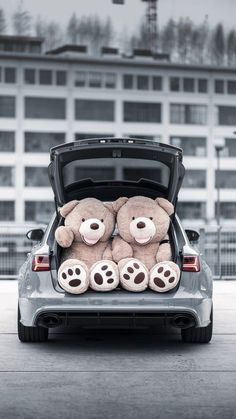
(85, 239)
(142, 249)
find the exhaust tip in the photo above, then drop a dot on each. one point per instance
(183, 321)
(49, 320)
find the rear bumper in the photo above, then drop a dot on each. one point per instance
(119, 304)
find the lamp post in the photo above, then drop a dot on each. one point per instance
(219, 146)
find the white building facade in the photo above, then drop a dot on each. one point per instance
(46, 99)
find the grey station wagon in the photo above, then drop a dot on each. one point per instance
(108, 169)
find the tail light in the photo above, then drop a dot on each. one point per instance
(40, 263)
(191, 264)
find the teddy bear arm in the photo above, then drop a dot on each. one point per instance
(121, 249)
(64, 236)
(107, 254)
(164, 252)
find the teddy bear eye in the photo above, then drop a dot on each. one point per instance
(151, 218)
(133, 218)
(83, 219)
(102, 220)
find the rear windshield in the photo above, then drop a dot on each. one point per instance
(116, 169)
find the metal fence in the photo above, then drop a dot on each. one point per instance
(218, 245)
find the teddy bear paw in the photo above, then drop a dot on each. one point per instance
(134, 276)
(164, 277)
(104, 276)
(73, 279)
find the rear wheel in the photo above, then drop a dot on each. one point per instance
(198, 334)
(31, 334)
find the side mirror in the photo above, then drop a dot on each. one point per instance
(192, 235)
(35, 235)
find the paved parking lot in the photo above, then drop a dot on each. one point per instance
(119, 374)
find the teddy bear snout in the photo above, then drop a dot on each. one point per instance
(94, 226)
(141, 224)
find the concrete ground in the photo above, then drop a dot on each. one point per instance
(119, 374)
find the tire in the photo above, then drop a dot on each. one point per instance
(198, 334)
(31, 334)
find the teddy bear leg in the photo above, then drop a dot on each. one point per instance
(164, 276)
(104, 276)
(133, 275)
(73, 276)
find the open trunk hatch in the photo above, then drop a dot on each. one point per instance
(112, 167)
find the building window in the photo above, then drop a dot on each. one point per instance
(175, 84)
(191, 210)
(7, 106)
(227, 115)
(60, 78)
(7, 176)
(227, 210)
(41, 142)
(142, 112)
(45, 77)
(45, 108)
(39, 211)
(95, 79)
(202, 85)
(85, 136)
(157, 83)
(225, 179)
(219, 86)
(194, 179)
(128, 81)
(94, 110)
(80, 78)
(229, 149)
(142, 82)
(7, 141)
(29, 75)
(36, 177)
(110, 80)
(188, 114)
(231, 87)
(7, 210)
(192, 146)
(188, 84)
(9, 75)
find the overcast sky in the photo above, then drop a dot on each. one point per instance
(131, 13)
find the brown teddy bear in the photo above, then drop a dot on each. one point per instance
(142, 248)
(85, 239)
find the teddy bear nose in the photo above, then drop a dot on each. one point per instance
(141, 224)
(94, 226)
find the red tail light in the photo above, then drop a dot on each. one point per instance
(40, 263)
(191, 264)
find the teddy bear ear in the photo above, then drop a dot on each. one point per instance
(110, 207)
(67, 208)
(119, 203)
(166, 205)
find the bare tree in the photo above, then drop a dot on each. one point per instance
(231, 48)
(218, 45)
(168, 37)
(184, 39)
(3, 24)
(21, 20)
(53, 36)
(73, 29)
(39, 27)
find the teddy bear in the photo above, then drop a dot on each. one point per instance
(141, 248)
(85, 240)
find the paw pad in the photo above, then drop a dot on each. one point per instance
(103, 277)
(134, 276)
(73, 279)
(163, 278)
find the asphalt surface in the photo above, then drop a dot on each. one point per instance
(119, 374)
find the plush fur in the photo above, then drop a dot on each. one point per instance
(86, 242)
(143, 261)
